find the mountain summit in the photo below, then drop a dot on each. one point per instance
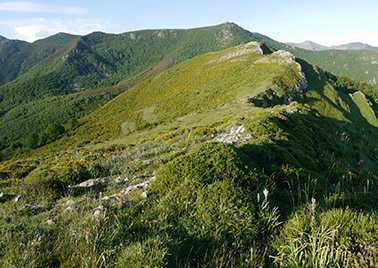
(309, 45)
(355, 46)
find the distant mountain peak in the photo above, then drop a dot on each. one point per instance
(57, 37)
(309, 45)
(355, 46)
(2, 38)
(229, 25)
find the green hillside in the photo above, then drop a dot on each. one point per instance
(17, 57)
(360, 65)
(209, 82)
(64, 64)
(242, 157)
(99, 61)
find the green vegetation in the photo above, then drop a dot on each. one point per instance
(328, 239)
(360, 65)
(215, 79)
(183, 169)
(23, 127)
(58, 67)
(86, 63)
(17, 57)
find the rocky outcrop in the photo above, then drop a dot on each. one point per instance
(234, 136)
(240, 51)
(95, 185)
(70, 206)
(285, 88)
(98, 211)
(119, 196)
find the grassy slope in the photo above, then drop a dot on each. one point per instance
(211, 90)
(199, 85)
(358, 65)
(104, 59)
(17, 57)
(99, 60)
(202, 209)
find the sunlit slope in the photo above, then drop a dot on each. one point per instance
(97, 61)
(202, 84)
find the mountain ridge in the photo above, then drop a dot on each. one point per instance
(309, 45)
(313, 46)
(101, 62)
(355, 46)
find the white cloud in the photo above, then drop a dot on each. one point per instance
(31, 7)
(37, 28)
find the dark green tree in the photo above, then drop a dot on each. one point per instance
(51, 133)
(32, 141)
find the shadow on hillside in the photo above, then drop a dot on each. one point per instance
(317, 80)
(318, 157)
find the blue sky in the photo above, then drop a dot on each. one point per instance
(327, 22)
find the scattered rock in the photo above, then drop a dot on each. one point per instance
(98, 211)
(292, 111)
(283, 57)
(132, 36)
(89, 185)
(234, 136)
(154, 222)
(142, 185)
(127, 190)
(144, 195)
(160, 34)
(6, 197)
(121, 179)
(111, 198)
(226, 34)
(70, 206)
(239, 51)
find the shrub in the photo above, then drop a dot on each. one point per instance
(32, 141)
(44, 182)
(206, 200)
(209, 163)
(149, 253)
(51, 133)
(53, 180)
(336, 238)
(225, 212)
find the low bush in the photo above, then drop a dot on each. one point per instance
(147, 254)
(335, 238)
